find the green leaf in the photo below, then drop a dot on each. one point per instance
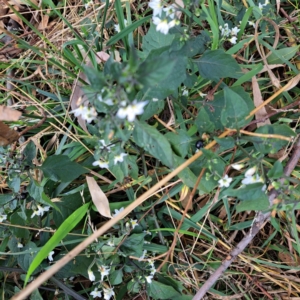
(60, 167)
(271, 145)
(203, 122)
(148, 138)
(158, 290)
(216, 64)
(235, 111)
(180, 141)
(155, 40)
(60, 233)
(6, 198)
(29, 153)
(276, 171)
(14, 184)
(249, 192)
(255, 204)
(116, 277)
(94, 76)
(285, 53)
(152, 108)
(133, 245)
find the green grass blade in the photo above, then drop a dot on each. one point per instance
(61, 232)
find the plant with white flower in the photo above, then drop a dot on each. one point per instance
(235, 30)
(119, 158)
(117, 211)
(105, 146)
(237, 166)
(40, 211)
(91, 275)
(170, 11)
(225, 31)
(162, 25)
(50, 255)
(110, 243)
(95, 293)
(149, 278)
(157, 7)
(233, 40)
(3, 218)
(252, 179)
(143, 255)
(86, 113)
(101, 164)
(251, 24)
(132, 110)
(225, 181)
(20, 245)
(117, 27)
(104, 271)
(133, 223)
(202, 94)
(88, 4)
(250, 171)
(108, 293)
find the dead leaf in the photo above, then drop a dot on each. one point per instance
(185, 194)
(262, 113)
(44, 22)
(288, 258)
(99, 198)
(7, 135)
(8, 114)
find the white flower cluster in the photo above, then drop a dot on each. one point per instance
(108, 293)
(40, 211)
(86, 113)
(163, 17)
(261, 6)
(131, 111)
(226, 32)
(3, 218)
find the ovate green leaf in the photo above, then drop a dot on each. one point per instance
(154, 142)
(60, 167)
(216, 64)
(159, 290)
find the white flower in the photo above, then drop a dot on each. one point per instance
(155, 99)
(87, 5)
(173, 23)
(105, 146)
(161, 25)
(20, 245)
(133, 223)
(147, 232)
(170, 11)
(119, 158)
(117, 211)
(252, 179)
(50, 256)
(225, 181)
(225, 31)
(91, 275)
(143, 255)
(250, 172)
(95, 293)
(237, 166)
(149, 278)
(233, 40)
(104, 270)
(202, 94)
(3, 217)
(260, 6)
(86, 113)
(157, 7)
(101, 164)
(110, 243)
(234, 31)
(117, 28)
(40, 211)
(266, 2)
(251, 24)
(132, 110)
(108, 293)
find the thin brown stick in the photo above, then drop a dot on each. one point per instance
(259, 222)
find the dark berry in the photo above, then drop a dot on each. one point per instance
(199, 144)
